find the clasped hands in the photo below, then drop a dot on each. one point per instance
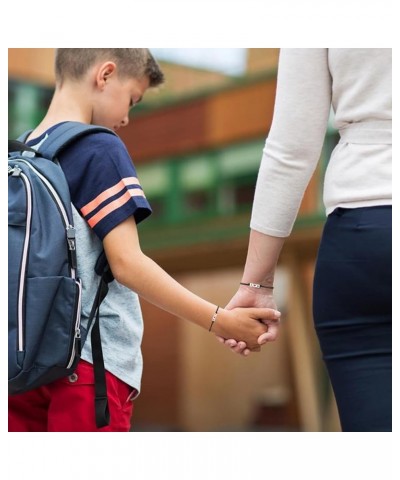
(254, 321)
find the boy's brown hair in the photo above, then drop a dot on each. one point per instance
(73, 63)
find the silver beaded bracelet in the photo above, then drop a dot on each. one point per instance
(256, 285)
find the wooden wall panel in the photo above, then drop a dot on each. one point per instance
(35, 64)
(241, 113)
(310, 200)
(226, 117)
(157, 407)
(166, 132)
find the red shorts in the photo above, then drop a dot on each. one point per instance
(67, 405)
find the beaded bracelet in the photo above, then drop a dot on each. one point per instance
(213, 319)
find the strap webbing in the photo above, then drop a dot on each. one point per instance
(16, 146)
(100, 386)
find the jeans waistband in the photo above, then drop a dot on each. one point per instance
(367, 133)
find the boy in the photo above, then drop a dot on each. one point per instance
(100, 86)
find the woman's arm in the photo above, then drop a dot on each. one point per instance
(291, 154)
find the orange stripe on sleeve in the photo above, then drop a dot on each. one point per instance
(114, 205)
(92, 205)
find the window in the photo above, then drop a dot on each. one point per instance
(196, 182)
(27, 105)
(239, 166)
(155, 180)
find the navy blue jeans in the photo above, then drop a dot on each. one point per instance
(352, 305)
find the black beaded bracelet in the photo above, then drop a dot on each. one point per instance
(256, 285)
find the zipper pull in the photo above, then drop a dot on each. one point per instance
(71, 246)
(14, 171)
(78, 342)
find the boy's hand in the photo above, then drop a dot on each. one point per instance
(244, 324)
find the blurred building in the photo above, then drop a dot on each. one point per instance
(197, 145)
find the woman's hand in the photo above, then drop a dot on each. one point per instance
(256, 298)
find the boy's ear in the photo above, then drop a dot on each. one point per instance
(104, 72)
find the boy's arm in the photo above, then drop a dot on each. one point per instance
(132, 268)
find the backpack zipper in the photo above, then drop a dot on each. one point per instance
(17, 172)
(70, 230)
(77, 334)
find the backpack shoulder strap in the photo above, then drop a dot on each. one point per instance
(22, 138)
(65, 134)
(17, 146)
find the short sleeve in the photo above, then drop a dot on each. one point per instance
(103, 182)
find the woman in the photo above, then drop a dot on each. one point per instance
(353, 281)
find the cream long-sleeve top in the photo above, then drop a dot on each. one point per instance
(357, 84)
